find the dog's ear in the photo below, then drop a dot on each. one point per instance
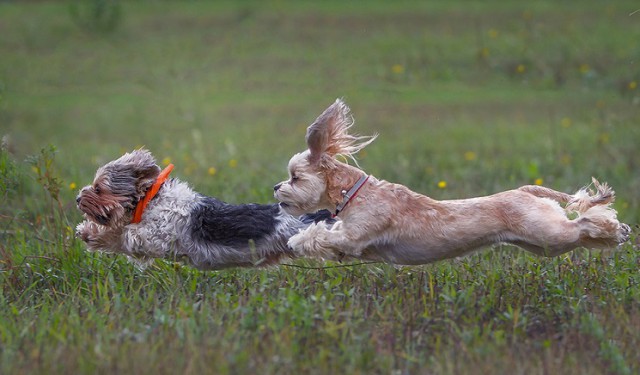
(323, 134)
(329, 134)
(133, 173)
(144, 168)
(317, 138)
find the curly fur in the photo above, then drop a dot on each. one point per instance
(179, 224)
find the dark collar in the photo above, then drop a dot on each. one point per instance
(349, 195)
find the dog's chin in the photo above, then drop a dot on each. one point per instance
(292, 209)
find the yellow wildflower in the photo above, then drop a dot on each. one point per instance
(212, 171)
(633, 85)
(73, 186)
(397, 69)
(520, 68)
(584, 68)
(538, 181)
(166, 161)
(470, 156)
(442, 184)
(233, 163)
(565, 122)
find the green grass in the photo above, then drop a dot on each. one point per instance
(485, 96)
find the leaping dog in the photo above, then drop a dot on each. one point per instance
(133, 208)
(384, 221)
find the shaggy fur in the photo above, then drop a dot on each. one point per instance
(179, 224)
(391, 223)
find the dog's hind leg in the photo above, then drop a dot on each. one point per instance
(551, 238)
(544, 228)
(592, 231)
(599, 225)
(599, 228)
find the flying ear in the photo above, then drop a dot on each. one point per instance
(329, 134)
(133, 173)
(317, 139)
(144, 168)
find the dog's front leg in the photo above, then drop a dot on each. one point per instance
(318, 241)
(96, 236)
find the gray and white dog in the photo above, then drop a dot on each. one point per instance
(122, 215)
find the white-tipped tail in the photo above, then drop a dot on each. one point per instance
(586, 198)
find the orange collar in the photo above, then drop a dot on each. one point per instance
(162, 177)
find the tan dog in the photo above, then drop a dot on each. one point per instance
(380, 220)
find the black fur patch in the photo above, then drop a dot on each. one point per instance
(233, 225)
(322, 215)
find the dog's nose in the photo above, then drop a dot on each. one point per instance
(275, 188)
(78, 199)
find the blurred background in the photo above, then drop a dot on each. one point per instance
(468, 97)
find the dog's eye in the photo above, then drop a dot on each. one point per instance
(96, 189)
(294, 178)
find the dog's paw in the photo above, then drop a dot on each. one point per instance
(312, 242)
(89, 232)
(623, 233)
(299, 244)
(84, 230)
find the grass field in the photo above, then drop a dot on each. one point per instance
(469, 98)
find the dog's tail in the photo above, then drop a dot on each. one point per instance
(543, 192)
(586, 198)
(579, 202)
